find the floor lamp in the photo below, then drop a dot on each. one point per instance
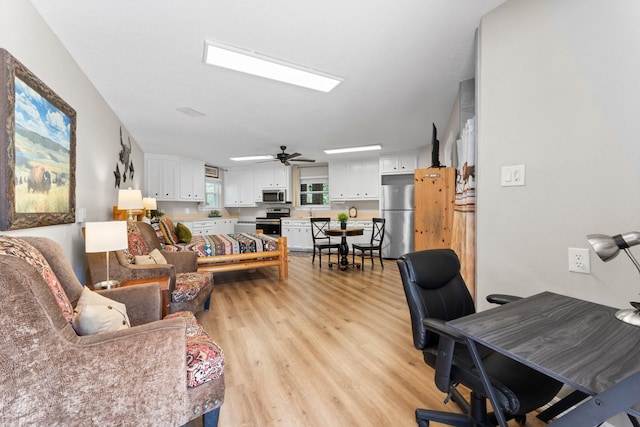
(105, 237)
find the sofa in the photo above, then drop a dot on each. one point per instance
(132, 376)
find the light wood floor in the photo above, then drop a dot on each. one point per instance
(322, 348)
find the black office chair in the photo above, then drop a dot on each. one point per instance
(375, 244)
(322, 242)
(436, 293)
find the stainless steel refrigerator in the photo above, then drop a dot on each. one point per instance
(397, 210)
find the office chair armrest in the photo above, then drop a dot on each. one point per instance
(502, 299)
(446, 345)
(440, 327)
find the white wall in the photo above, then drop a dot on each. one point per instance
(558, 93)
(25, 35)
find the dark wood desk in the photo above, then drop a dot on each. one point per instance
(163, 281)
(344, 246)
(577, 342)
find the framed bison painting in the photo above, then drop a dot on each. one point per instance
(37, 151)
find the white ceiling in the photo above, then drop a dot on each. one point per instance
(401, 61)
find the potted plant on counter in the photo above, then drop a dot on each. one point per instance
(343, 217)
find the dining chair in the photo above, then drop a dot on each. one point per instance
(375, 244)
(322, 242)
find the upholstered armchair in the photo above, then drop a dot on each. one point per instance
(190, 290)
(138, 375)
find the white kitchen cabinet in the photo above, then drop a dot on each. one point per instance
(202, 228)
(354, 179)
(191, 180)
(275, 175)
(161, 176)
(398, 164)
(225, 225)
(238, 187)
(208, 227)
(298, 234)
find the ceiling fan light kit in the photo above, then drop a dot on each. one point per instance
(281, 157)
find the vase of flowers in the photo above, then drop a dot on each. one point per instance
(343, 217)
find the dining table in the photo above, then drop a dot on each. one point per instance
(343, 233)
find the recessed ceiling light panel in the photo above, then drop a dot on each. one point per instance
(254, 63)
(249, 158)
(353, 149)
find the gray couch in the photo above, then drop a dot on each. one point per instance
(51, 376)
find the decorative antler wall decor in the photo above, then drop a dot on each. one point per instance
(125, 158)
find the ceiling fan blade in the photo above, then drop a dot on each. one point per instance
(303, 160)
(286, 163)
(291, 156)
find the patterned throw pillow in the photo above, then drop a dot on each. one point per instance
(156, 228)
(137, 246)
(18, 248)
(170, 238)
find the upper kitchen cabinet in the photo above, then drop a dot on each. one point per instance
(354, 179)
(174, 178)
(275, 175)
(161, 176)
(269, 177)
(191, 180)
(398, 164)
(238, 187)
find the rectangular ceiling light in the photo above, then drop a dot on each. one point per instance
(250, 62)
(354, 149)
(248, 158)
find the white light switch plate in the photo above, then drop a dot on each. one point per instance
(512, 176)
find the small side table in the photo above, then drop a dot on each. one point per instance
(163, 281)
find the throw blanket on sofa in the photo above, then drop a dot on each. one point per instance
(226, 244)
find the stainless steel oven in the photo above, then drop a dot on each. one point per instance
(271, 223)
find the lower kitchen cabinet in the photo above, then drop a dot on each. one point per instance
(212, 226)
(298, 234)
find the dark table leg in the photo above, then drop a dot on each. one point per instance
(344, 252)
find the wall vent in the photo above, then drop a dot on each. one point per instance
(211, 172)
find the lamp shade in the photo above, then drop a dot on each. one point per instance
(130, 199)
(149, 203)
(105, 236)
(608, 247)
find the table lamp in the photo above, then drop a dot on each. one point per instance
(607, 248)
(129, 200)
(149, 204)
(105, 237)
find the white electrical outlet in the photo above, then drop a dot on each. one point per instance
(579, 260)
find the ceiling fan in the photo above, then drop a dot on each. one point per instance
(285, 158)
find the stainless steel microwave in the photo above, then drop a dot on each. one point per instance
(274, 196)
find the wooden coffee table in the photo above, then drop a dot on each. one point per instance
(163, 281)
